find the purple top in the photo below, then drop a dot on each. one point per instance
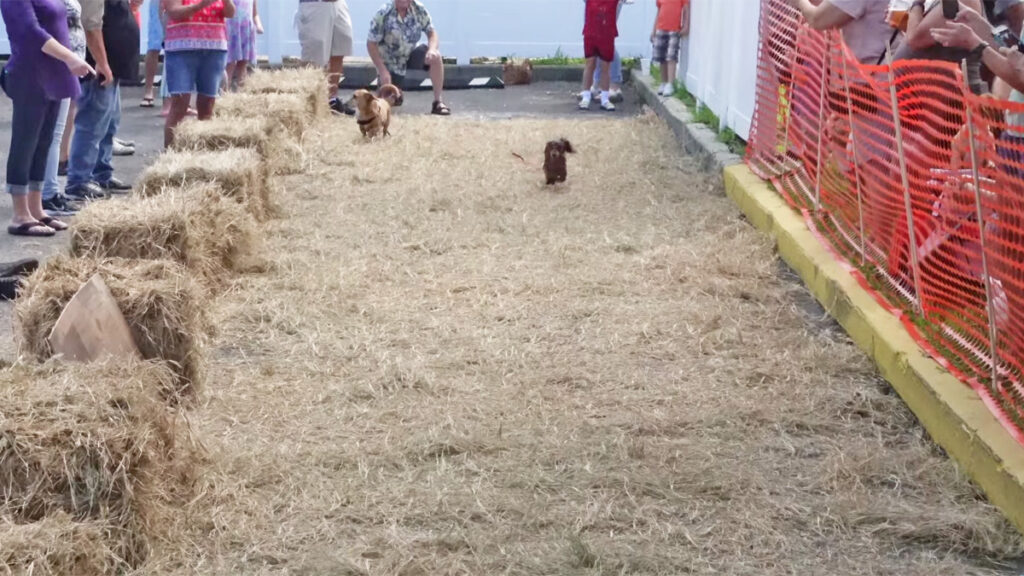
(30, 24)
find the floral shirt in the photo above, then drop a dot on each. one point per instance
(397, 36)
(76, 33)
(205, 30)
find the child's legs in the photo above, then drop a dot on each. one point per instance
(616, 72)
(605, 75)
(588, 73)
(668, 71)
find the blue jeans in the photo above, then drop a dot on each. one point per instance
(616, 71)
(31, 132)
(50, 185)
(96, 124)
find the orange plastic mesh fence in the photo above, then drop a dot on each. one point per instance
(915, 182)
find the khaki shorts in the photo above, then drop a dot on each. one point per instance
(325, 31)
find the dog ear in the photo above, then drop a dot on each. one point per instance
(567, 146)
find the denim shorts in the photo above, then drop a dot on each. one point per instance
(199, 71)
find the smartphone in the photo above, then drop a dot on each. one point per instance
(950, 8)
(1005, 38)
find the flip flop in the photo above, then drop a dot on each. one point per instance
(54, 223)
(148, 102)
(31, 229)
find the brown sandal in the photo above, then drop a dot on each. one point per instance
(57, 225)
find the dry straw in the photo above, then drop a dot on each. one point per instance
(91, 444)
(240, 173)
(197, 227)
(280, 152)
(310, 83)
(290, 112)
(157, 297)
(56, 546)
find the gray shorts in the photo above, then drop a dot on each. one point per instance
(666, 46)
(325, 31)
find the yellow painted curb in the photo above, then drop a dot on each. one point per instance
(949, 410)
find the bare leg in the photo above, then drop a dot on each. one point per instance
(664, 72)
(335, 70)
(437, 76)
(588, 74)
(229, 76)
(241, 73)
(177, 112)
(152, 63)
(671, 67)
(69, 130)
(204, 106)
(35, 205)
(606, 77)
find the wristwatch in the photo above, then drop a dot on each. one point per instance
(979, 50)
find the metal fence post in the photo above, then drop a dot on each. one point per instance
(907, 204)
(986, 278)
(856, 164)
(821, 123)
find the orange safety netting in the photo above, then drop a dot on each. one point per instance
(915, 182)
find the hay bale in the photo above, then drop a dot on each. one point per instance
(95, 444)
(289, 112)
(279, 151)
(196, 227)
(56, 546)
(310, 83)
(240, 173)
(157, 297)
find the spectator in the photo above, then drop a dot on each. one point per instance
(599, 32)
(1009, 12)
(672, 19)
(242, 30)
(393, 43)
(40, 73)
(919, 44)
(196, 46)
(112, 39)
(154, 44)
(325, 33)
(862, 22)
(616, 69)
(54, 202)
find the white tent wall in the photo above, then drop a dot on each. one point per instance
(721, 71)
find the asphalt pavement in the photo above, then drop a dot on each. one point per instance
(144, 126)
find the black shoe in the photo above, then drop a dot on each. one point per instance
(60, 205)
(339, 107)
(9, 288)
(19, 269)
(115, 186)
(87, 191)
(62, 168)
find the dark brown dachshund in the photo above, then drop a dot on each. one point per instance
(554, 160)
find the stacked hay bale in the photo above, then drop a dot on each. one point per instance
(94, 466)
(198, 227)
(158, 298)
(238, 172)
(309, 83)
(280, 150)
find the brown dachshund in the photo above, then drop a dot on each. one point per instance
(554, 160)
(392, 94)
(372, 114)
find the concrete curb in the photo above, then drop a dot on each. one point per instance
(697, 139)
(952, 413)
(360, 75)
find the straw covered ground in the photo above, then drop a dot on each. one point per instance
(452, 369)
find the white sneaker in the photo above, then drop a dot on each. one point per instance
(585, 100)
(607, 106)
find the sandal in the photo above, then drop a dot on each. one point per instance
(440, 109)
(31, 229)
(148, 102)
(50, 222)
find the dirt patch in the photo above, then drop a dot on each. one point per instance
(453, 369)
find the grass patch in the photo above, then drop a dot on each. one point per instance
(703, 115)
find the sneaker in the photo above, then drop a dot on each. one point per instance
(62, 168)
(128, 143)
(585, 100)
(607, 106)
(115, 186)
(87, 191)
(339, 107)
(60, 205)
(122, 149)
(9, 288)
(19, 269)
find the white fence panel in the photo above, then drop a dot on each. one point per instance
(722, 67)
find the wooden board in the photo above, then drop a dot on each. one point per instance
(91, 327)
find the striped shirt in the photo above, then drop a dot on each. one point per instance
(204, 30)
